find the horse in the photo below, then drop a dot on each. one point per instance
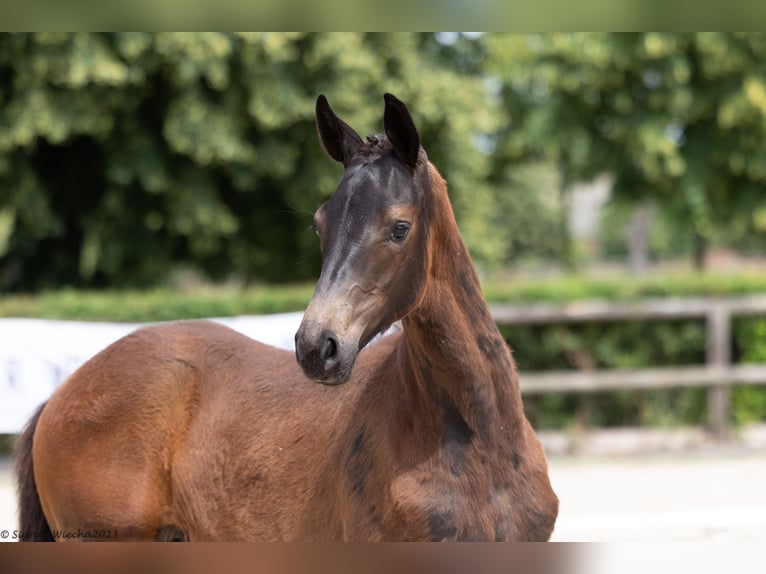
(191, 431)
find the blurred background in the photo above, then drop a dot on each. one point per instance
(613, 184)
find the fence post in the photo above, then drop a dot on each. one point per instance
(719, 357)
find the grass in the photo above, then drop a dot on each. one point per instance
(160, 304)
(165, 304)
(623, 288)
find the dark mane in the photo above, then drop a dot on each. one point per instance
(377, 140)
(373, 147)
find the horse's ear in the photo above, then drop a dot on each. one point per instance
(337, 137)
(401, 130)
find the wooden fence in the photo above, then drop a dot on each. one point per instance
(718, 374)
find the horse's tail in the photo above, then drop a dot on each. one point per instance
(33, 525)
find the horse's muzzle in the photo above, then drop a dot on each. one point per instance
(322, 356)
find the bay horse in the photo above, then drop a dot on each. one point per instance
(191, 431)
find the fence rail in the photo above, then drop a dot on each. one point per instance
(718, 374)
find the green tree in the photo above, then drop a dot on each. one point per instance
(679, 118)
(511, 215)
(123, 155)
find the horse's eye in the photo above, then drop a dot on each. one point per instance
(400, 230)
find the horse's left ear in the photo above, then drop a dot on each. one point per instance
(401, 130)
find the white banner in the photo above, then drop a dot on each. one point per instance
(37, 355)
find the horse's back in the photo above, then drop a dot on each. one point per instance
(158, 373)
(107, 441)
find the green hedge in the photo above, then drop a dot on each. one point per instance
(625, 345)
(632, 344)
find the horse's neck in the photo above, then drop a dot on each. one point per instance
(453, 350)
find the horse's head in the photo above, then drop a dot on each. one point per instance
(373, 233)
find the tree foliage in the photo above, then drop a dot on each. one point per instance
(124, 154)
(679, 118)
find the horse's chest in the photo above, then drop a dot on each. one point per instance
(452, 494)
(447, 508)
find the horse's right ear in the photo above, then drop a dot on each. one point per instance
(339, 139)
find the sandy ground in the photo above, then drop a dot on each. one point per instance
(710, 494)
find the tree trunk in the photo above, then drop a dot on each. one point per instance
(700, 248)
(565, 207)
(638, 238)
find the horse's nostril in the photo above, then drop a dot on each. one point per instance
(329, 347)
